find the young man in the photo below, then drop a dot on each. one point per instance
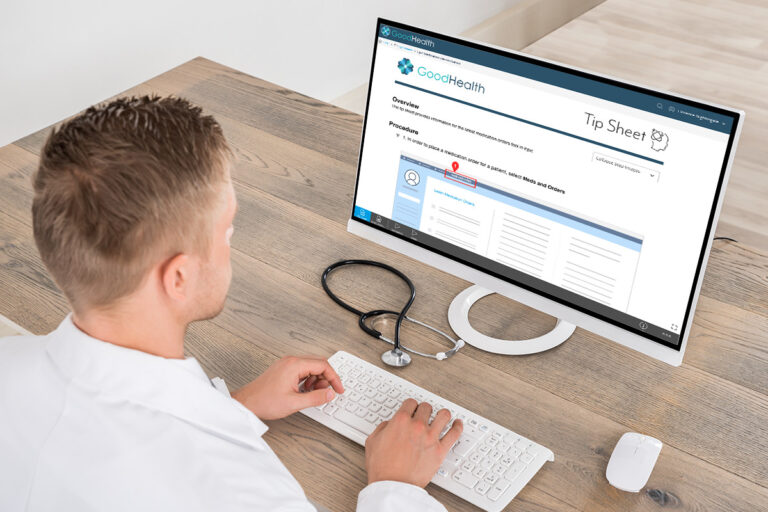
(132, 216)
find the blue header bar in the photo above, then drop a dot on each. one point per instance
(595, 87)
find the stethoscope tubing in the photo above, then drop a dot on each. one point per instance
(363, 316)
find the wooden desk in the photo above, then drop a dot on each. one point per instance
(297, 159)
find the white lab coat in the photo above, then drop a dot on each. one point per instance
(86, 425)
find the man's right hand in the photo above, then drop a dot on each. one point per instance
(407, 448)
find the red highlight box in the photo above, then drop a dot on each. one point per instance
(474, 181)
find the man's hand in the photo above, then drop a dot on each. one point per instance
(407, 448)
(276, 392)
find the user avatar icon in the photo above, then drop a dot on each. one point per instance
(412, 177)
(659, 140)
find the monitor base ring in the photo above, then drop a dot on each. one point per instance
(458, 317)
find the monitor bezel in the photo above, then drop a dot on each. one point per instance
(583, 317)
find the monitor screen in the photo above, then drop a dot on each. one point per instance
(594, 193)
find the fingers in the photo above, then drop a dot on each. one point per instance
(314, 382)
(453, 434)
(408, 407)
(322, 384)
(319, 367)
(314, 398)
(309, 384)
(423, 412)
(442, 418)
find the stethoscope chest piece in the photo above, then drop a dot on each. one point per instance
(396, 357)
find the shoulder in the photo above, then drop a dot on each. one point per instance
(19, 353)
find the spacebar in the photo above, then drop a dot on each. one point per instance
(355, 422)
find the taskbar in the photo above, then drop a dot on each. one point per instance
(534, 284)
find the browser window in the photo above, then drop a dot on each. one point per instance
(594, 194)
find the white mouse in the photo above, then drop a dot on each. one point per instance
(632, 461)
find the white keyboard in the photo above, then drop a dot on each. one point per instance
(487, 466)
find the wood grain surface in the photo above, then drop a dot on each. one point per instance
(294, 179)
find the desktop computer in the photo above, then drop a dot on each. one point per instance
(586, 197)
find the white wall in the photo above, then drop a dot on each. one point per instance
(60, 56)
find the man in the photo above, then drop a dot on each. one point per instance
(132, 216)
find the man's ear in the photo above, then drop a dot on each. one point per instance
(175, 275)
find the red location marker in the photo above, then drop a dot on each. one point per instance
(455, 166)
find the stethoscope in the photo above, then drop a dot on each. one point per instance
(396, 356)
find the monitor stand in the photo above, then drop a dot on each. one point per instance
(458, 317)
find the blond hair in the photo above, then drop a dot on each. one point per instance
(121, 186)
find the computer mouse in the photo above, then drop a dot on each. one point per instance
(632, 461)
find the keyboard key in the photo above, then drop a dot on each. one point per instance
(514, 453)
(330, 409)
(372, 418)
(517, 468)
(527, 457)
(443, 471)
(361, 412)
(380, 397)
(468, 466)
(365, 401)
(465, 478)
(354, 396)
(484, 449)
(391, 403)
(510, 438)
(493, 441)
(491, 478)
(476, 457)
(479, 472)
(369, 393)
(384, 388)
(464, 445)
(350, 406)
(499, 469)
(365, 378)
(482, 487)
(374, 407)
(507, 460)
(522, 444)
(495, 455)
(393, 393)
(453, 460)
(353, 421)
(503, 447)
(497, 490)
(486, 463)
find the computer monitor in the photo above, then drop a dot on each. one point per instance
(587, 197)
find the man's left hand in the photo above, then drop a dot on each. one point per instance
(277, 392)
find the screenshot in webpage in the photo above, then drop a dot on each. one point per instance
(593, 194)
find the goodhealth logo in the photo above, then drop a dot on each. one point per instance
(407, 37)
(405, 66)
(449, 79)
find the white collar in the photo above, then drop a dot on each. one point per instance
(178, 387)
